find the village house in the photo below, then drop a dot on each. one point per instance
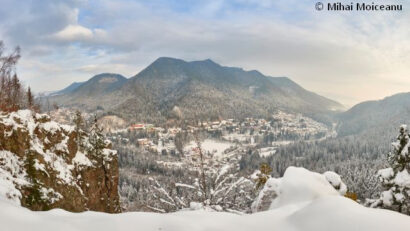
(136, 127)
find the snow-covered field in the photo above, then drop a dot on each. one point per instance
(306, 201)
(268, 151)
(212, 146)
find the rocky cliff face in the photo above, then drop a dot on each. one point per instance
(43, 166)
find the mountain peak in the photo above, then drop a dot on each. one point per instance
(209, 61)
(205, 62)
(167, 60)
(110, 77)
(170, 60)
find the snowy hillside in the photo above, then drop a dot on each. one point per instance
(305, 201)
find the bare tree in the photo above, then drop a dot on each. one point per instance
(13, 95)
(9, 84)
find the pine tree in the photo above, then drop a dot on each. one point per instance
(30, 98)
(79, 129)
(16, 93)
(396, 178)
(34, 198)
(96, 140)
(399, 158)
(96, 148)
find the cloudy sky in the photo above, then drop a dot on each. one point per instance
(347, 56)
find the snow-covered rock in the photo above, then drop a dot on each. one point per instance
(41, 166)
(11, 173)
(300, 185)
(336, 181)
(265, 197)
(297, 185)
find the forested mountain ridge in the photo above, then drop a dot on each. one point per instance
(378, 116)
(200, 89)
(68, 89)
(97, 89)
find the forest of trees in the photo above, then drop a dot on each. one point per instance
(356, 158)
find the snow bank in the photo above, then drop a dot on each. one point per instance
(325, 213)
(306, 202)
(341, 214)
(300, 185)
(297, 185)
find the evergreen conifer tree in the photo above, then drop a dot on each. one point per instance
(79, 129)
(34, 198)
(96, 139)
(396, 178)
(30, 98)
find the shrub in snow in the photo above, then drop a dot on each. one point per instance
(262, 175)
(225, 191)
(396, 178)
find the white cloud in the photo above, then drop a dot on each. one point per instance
(74, 33)
(78, 33)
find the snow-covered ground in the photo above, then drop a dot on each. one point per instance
(306, 201)
(268, 151)
(212, 146)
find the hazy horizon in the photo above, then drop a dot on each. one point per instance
(349, 57)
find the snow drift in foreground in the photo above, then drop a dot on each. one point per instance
(305, 201)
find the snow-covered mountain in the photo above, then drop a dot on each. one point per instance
(201, 89)
(305, 201)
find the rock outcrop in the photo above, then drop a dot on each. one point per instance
(45, 165)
